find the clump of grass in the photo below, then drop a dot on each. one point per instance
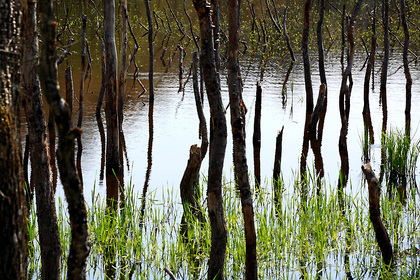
(327, 236)
(399, 158)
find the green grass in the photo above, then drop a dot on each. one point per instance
(323, 239)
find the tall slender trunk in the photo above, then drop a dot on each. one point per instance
(218, 139)
(237, 116)
(83, 54)
(306, 64)
(80, 246)
(113, 167)
(407, 73)
(41, 175)
(13, 202)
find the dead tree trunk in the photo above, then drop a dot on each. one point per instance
(237, 116)
(286, 35)
(256, 138)
(79, 247)
(384, 73)
(83, 54)
(13, 202)
(181, 67)
(277, 164)
(366, 108)
(113, 167)
(121, 92)
(375, 215)
(344, 100)
(218, 139)
(41, 177)
(407, 73)
(306, 64)
(98, 111)
(189, 186)
(320, 46)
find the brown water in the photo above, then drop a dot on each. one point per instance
(176, 122)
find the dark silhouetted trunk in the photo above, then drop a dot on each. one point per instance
(319, 39)
(256, 138)
(284, 87)
(80, 246)
(277, 181)
(98, 112)
(13, 201)
(306, 63)
(181, 67)
(237, 117)
(81, 96)
(375, 215)
(121, 93)
(384, 73)
(49, 239)
(366, 108)
(344, 100)
(69, 89)
(407, 73)
(218, 139)
(190, 181)
(113, 167)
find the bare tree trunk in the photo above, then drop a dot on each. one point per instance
(384, 73)
(277, 165)
(344, 100)
(13, 202)
(113, 167)
(319, 39)
(81, 96)
(256, 137)
(80, 246)
(366, 108)
(407, 73)
(286, 35)
(306, 64)
(218, 139)
(41, 176)
(237, 117)
(98, 111)
(69, 89)
(121, 92)
(375, 215)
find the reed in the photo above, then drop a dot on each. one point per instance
(331, 237)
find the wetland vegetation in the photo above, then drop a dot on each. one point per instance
(130, 195)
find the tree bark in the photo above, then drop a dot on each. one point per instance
(237, 116)
(256, 137)
(13, 201)
(277, 163)
(218, 139)
(366, 108)
(384, 73)
(306, 63)
(80, 246)
(113, 167)
(375, 215)
(407, 73)
(41, 176)
(319, 39)
(81, 96)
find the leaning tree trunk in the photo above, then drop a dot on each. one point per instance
(306, 64)
(407, 73)
(237, 117)
(113, 167)
(218, 139)
(80, 246)
(381, 233)
(49, 238)
(13, 203)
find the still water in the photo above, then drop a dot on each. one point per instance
(176, 122)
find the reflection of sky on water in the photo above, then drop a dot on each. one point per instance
(176, 124)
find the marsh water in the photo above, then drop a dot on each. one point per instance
(176, 122)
